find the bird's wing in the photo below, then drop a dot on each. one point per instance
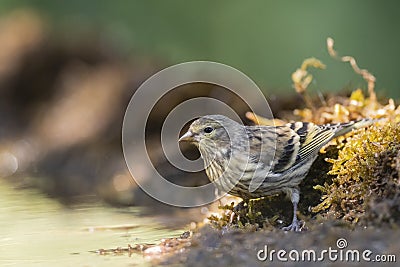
(273, 147)
(309, 139)
(276, 149)
(301, 140)
(312, 138)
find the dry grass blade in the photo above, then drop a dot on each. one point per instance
(367, 76)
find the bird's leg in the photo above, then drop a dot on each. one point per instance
(240, 206)
(236, 210)
(296, 225)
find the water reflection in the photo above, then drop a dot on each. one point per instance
(38, 231)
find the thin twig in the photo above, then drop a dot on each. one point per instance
(367, 76)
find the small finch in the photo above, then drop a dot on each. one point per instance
(256, 161)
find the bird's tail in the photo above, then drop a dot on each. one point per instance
(344, 128)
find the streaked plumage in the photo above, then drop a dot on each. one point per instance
(256, 161)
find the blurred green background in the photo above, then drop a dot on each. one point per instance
(267, 40)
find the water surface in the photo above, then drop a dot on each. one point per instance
(39, 231)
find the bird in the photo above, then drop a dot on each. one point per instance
(257, 161)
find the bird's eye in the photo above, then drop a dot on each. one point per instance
(208, 129)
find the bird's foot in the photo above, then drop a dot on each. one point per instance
(295, 226)
(237, 211)
(239, 207)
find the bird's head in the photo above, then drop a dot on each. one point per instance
(210, 130)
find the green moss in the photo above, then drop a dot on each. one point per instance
(267, 213)
(367, 177)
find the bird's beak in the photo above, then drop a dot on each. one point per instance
(188, 137)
